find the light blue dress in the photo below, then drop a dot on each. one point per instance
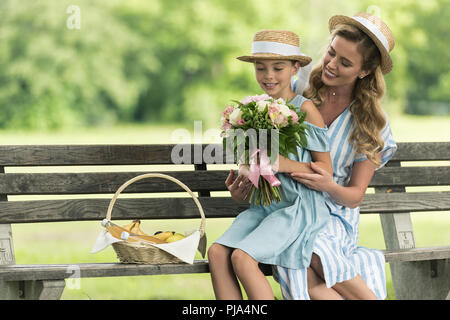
(283, 233)
(337, 244)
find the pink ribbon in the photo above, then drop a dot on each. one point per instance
(262, 169)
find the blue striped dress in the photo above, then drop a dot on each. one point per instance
(337, 244)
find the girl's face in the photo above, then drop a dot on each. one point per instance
(342, 63)
(274, 77)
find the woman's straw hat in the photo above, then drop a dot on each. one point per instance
(276, 44)
(376, 29)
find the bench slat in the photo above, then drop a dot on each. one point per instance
(411, 176)
(106, 182)
(93, 270)
(109, 182)
(67, 155)
(173, 208)
(90, 270)
(406, 202)
(422, 151)
(418, 254)
(124, 209)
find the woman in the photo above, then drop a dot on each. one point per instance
(347, 88)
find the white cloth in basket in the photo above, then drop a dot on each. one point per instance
(183, 249)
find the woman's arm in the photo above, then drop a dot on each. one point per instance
(322, 159)
(350, 195)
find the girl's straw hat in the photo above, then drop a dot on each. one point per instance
(276, 44)
(376, 29)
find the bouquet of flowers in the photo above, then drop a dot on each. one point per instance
(256, 130)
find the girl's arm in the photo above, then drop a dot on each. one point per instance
(322, 159)
(350, 195)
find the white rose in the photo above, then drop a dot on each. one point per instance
(235, 116)
(280, 101)
(284, 110)
(261, 105)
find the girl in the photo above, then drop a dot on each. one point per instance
(282, 232)
(347, 87)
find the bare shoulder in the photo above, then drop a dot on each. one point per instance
(313, 115)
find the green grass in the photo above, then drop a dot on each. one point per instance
(71, 242)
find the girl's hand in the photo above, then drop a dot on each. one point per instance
(320, 180)
(240, 188)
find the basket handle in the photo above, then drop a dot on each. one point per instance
(164, 176)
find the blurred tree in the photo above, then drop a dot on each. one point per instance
(52, 76)
(425, 39)
(421, 74)
(175, 61)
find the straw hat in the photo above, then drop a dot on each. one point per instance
(376, 29)
(276, 44)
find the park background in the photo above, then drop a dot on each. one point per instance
(112, 72)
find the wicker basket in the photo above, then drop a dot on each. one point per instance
(144, 253)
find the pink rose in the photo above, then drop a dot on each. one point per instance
(273, 108)
(294, 116)
(247, 100)
(260, 97)
(228, 110)
(226, 126)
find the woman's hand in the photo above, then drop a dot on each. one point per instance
(240, 188)
(320, 179)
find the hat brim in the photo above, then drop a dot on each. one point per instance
(386, 61)
(304, 60)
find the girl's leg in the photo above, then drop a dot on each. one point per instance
(353, 289)
(317, 288)
(224, 281)
(253, 280)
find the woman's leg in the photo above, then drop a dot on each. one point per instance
(224, 281)
(317, 288)
(353, 289)
(253, 280)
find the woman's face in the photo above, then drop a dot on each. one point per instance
(342, 63)
(274, 77)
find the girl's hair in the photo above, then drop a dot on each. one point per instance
(367, 93)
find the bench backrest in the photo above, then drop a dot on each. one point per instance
(200, 177)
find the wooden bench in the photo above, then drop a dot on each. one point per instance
(418, 273)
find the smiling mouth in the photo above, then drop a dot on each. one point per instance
(329, 74)
(270, 85)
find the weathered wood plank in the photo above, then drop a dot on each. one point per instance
(411, 176)
(67, 155)
(90, 270)
(185, 208)
(109, 182)
(418, 254)
(405, 202)
(422, 151)
(124, 209)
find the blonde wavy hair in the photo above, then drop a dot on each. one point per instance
(366, 109)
